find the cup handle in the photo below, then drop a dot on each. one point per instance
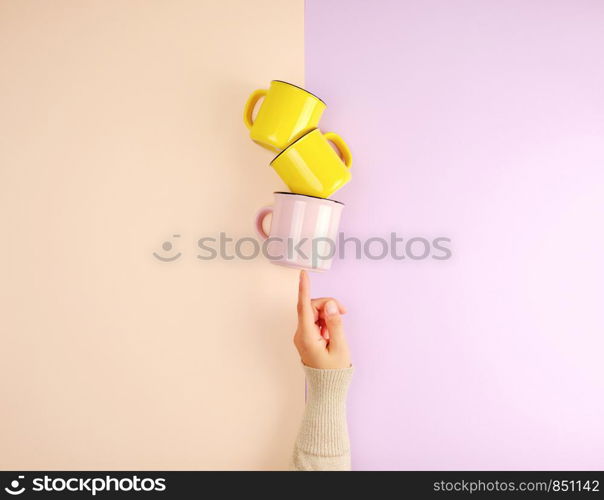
(248, 109)
(260, 216)
(342, 147)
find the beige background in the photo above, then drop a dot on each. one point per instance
(120, 125)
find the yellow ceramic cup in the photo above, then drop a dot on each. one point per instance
(311, 166)
(286, 113)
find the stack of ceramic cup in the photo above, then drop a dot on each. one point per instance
(305, 222)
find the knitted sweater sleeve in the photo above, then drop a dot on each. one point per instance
(322, 442)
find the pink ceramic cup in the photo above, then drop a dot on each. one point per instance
(303, 233)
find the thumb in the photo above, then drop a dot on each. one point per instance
(333, 322)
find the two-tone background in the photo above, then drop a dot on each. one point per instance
(120, 126)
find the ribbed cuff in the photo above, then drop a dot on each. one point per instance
(324, 430)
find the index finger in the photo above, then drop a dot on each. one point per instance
(304, 305)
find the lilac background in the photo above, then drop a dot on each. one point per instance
(482, 121)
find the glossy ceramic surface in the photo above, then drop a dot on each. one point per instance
(303, 231)
(286, 113)
(311, 166)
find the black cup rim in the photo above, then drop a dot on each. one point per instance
(298, 87)
(310, 196)
(297, 140)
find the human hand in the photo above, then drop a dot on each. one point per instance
(320, 336)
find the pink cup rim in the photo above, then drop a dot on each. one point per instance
(309, 196)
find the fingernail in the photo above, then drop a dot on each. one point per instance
(331, 308)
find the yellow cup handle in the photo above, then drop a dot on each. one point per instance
(248, 110)
(342, 147)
